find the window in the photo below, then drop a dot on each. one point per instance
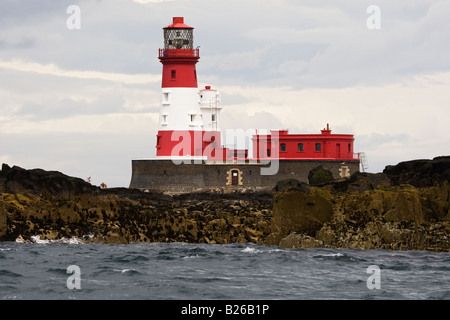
(213, 117)
(318, 147)
(283, 147)
(300, 147)
(173, 74)
(268, 152)
(178, 39)
(349, 147)
(165, 97)
(164, 119)
(195, 74)
(192, 117)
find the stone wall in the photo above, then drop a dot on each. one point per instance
(164, 175)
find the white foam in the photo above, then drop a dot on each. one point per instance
(250, 250)
(127, 270)
(333, 255)
(37, 239)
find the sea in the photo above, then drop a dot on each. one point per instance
(74, 270)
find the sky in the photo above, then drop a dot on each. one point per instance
(80, 90)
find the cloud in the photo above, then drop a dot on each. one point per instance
(390, 122)
(52, 69)
(106, 157)
(83, 101)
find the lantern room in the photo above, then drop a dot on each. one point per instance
(178, 35)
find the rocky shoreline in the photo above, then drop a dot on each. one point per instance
(404, 208)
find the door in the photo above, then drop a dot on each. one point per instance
(234, 177)
(338, 150)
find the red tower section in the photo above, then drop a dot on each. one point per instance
(179, 56)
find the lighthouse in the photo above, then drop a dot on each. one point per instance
(189, 118)
(189, 151)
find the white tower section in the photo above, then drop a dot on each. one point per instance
(210, 109)
(190, 109)
(180, 110)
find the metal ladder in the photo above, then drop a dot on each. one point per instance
(363, 161)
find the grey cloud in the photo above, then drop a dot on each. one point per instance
(70, 107)
(79, 155)
(373, 140)
(23, 43)
(332, 39)
(123, 37)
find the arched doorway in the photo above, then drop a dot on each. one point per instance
(234, 177)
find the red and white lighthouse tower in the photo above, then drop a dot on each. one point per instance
(189, 117)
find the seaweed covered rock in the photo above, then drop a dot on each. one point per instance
(291, 184)
(366, 211)
(320, 176)
(52, 206)
(302, 210)
(295, 240)
(3, 224)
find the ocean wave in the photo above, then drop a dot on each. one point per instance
(191, 257)
(10, 274)
(250, 250)
(128, 271)
(240, 271)
(332, 255)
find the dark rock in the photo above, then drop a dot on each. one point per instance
(292, 184)
(52, 206)
(420, 173)
(300, 212)
(367, 211)
(295, 240)
(3, 220)
(320, 176)
(41, 182)
(362, 181)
